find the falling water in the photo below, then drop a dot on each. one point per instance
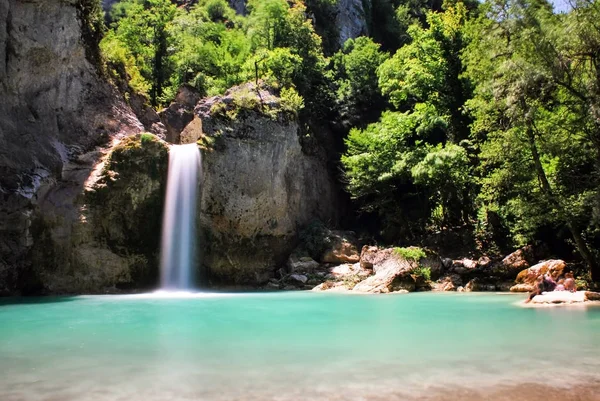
(178, 232)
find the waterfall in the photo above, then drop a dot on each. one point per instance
(179, 222)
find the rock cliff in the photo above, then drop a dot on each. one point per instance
(54, 114)
(350, 19)
(260, 185)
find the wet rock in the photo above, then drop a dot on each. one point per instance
(180, 113)
(504, 286)
(559, 297)
(333, 286)
(109, 239)
(447, 286)
(472, 285)
(447, 283)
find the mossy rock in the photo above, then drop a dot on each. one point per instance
(125, 204)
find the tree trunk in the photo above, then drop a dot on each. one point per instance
(580, 243)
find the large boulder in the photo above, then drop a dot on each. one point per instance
(514, 263)
(526, 279)
(342, 248)
(259, 187)
(55, 113)
(394, 271)
(393, 274)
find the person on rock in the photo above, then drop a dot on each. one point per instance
(543, 284)
(570, 282)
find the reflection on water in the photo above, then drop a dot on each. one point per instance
(291, 346)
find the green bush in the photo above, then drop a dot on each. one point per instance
(411, 253)
(291, 100)
(421, 272)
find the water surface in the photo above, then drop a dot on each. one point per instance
(290, 346)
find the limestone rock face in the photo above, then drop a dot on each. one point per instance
(259, 187)
(54, 109)
(351, 19)
(110, 236)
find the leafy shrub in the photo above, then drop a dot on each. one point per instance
(412, 253)
(147, 138)
(291, 100)
(421, 272)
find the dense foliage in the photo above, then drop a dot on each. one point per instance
(455, 116)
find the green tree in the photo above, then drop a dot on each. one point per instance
(355, 72)
(537, 138)
(282, 24)
(412, 167)
(142, 28)
(209, 47)
(429, 70)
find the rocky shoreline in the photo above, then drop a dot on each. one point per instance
(339, 267)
